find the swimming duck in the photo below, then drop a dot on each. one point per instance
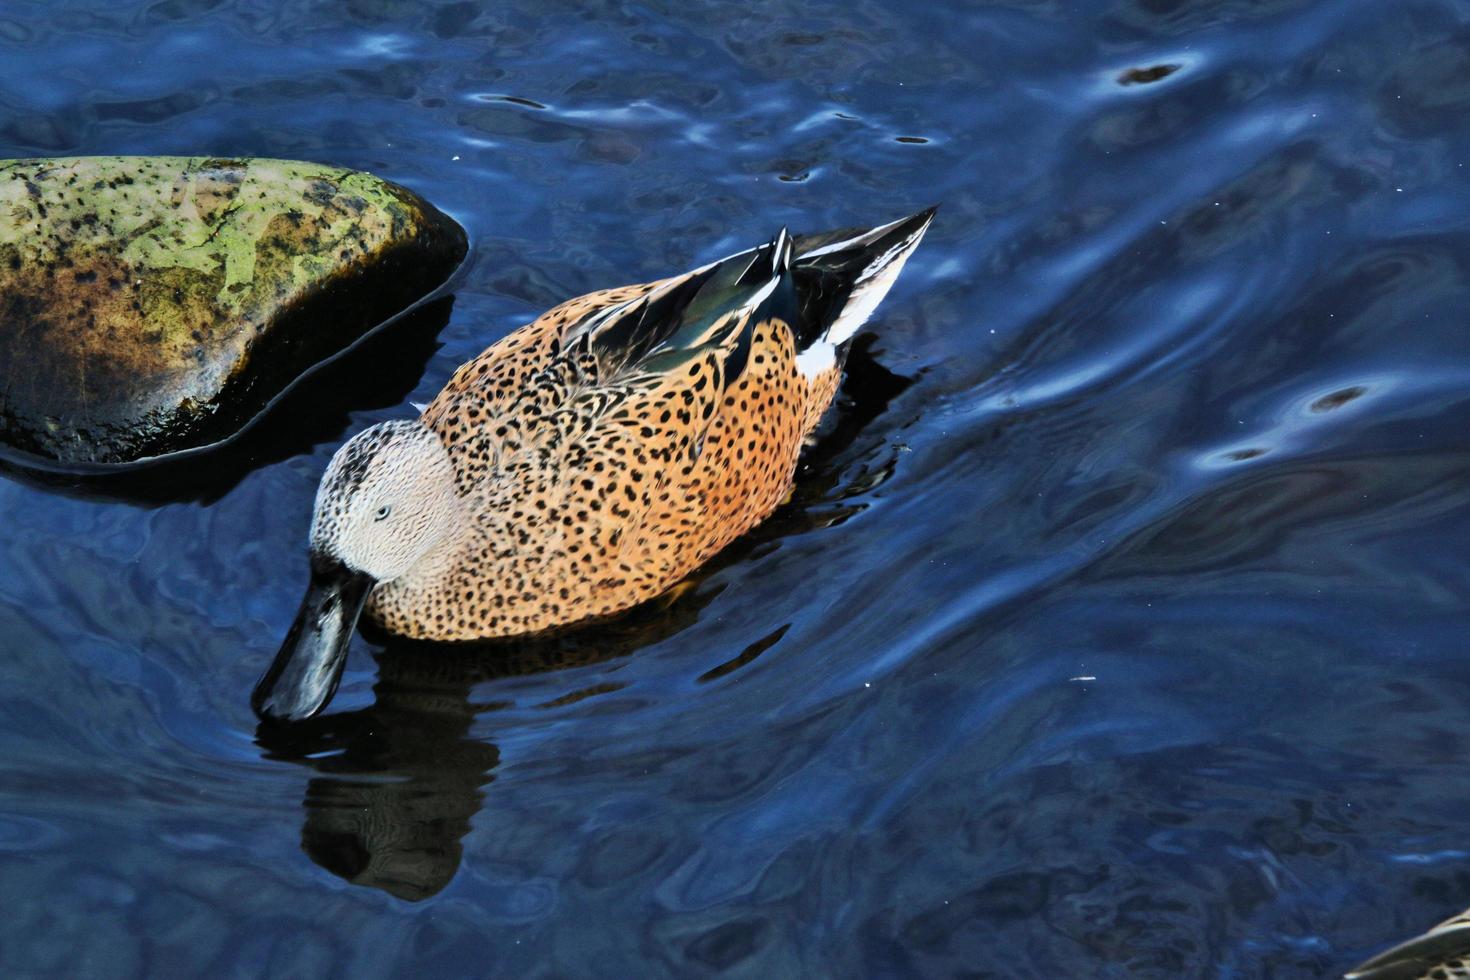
(587, 462)
(1442, 953)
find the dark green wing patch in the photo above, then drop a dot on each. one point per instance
(712, 308)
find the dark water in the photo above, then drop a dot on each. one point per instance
(1117, 630)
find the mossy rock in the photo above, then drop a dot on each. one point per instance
(150, 305)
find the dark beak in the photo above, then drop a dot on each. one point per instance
(306, 671)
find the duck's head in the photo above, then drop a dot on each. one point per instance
(386, 501)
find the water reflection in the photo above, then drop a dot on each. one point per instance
(397, 783)
(1131, 283)
(379, 371)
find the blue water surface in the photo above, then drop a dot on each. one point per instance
(1117, 627)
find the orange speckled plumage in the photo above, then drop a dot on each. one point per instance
(597, 486)
(629, 493)
(589, 461)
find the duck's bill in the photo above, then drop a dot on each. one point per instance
(305, 673)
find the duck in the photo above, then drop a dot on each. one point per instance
(1442, 953)
(587, 462)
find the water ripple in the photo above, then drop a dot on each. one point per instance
(1115, 630)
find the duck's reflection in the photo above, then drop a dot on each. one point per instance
(397, 784)
(391, 808)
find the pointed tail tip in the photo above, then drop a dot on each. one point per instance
(909, 229)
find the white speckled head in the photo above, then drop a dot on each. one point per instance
(386, 500)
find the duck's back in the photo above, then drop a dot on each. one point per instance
(1442, 953)
(622, 439)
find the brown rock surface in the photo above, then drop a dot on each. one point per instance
(155, 304)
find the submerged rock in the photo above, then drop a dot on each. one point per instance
(155, 304)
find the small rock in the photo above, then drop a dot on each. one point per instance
(155, 304)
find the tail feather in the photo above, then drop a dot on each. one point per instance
(825, 286)
(848, 241)
(841, 277)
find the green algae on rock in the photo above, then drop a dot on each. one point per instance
(150, 305)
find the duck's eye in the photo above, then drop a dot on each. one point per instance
(383, 512)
